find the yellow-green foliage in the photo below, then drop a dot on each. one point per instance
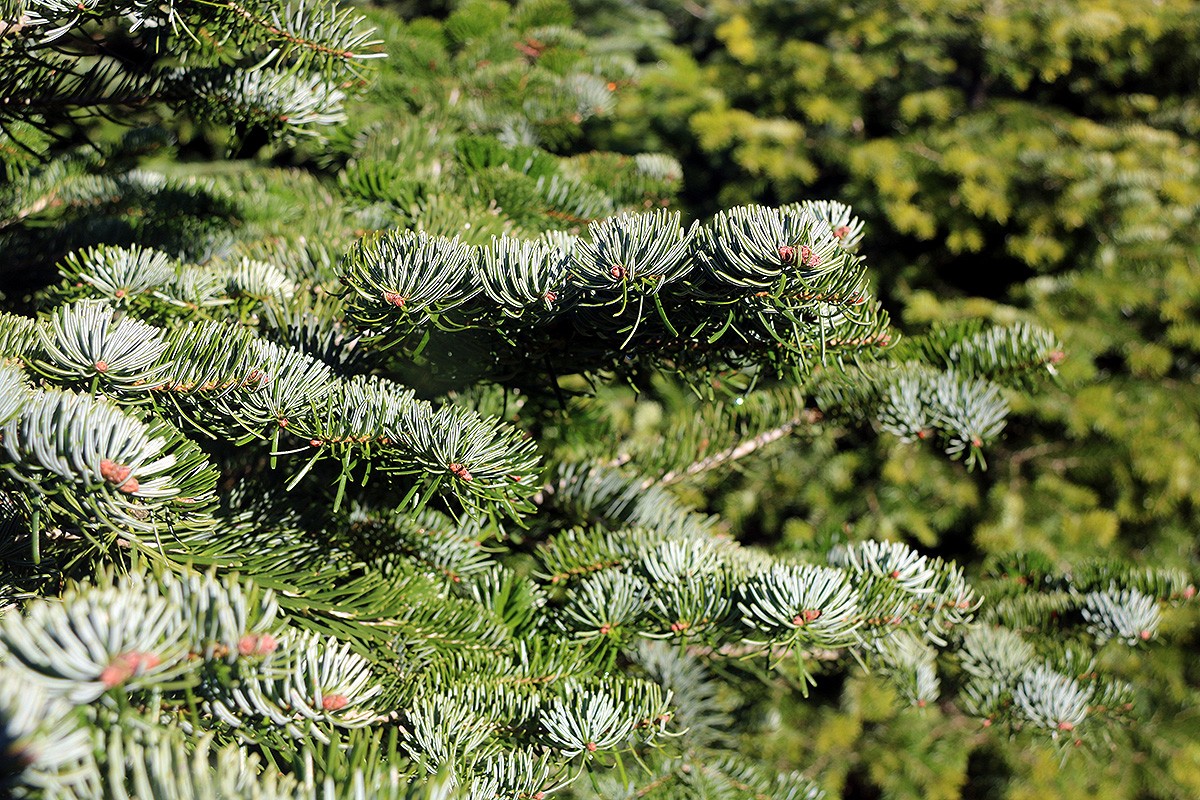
(1042, 155)
(1031, 160)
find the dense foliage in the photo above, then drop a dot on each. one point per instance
(1028, 161)
(386, 469)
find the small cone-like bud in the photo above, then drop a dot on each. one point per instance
(255, 644)
(118, 475)
(125, 666)
(334, 702)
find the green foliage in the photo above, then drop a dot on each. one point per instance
(383, 473)
(65, 61)
(1032, 163)
(984, 148)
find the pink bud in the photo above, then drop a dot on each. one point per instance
(334, 702)
(257, 644)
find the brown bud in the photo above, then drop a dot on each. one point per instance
(118, 475)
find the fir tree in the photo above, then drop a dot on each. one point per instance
(311, 487)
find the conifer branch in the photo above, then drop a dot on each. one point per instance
(734, 453)
(288, 507)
